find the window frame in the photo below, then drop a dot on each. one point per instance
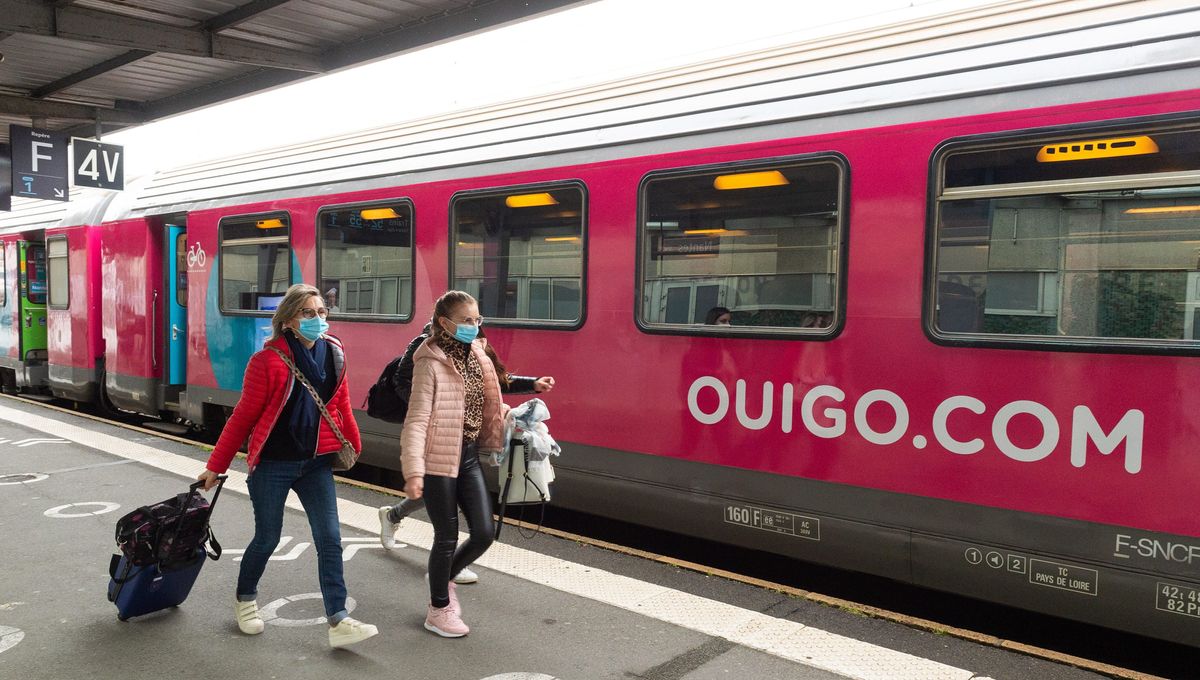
(412, 246)
(49, 279)
(3, 273)
(1028, 137)
(554, 185)
(838, 160)
(221, 260)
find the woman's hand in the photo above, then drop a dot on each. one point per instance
(414, 487)
(209, 478)
(543, 384)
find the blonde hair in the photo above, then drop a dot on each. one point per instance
(447, 303)
(293, 301)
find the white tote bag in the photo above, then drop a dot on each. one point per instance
(520, 484)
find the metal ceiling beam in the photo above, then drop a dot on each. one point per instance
(40, 108)
(106, 28)
(240, 14)
(89, 72)
(474, 19)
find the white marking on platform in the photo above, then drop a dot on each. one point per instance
(10, 637)
(786, 639)
(520, 676)
(270, 613)
(58, 511)
(30, 442)
(20, 478)
(348, 551)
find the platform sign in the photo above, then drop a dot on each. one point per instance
(98, 165)
(39, 163)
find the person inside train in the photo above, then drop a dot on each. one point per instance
(331, 301)
(390, 516)
(454, 414)
(292, 448)
(718, 316)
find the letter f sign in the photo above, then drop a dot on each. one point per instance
(35, 155)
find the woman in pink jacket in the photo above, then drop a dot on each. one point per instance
(454, 413)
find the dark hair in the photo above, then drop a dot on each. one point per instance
(714, 314)
(501, 371)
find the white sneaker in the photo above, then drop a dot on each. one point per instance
(387, 528)
(248, 620)
(348, 631)
(466, 576)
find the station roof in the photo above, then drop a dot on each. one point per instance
(74, 65)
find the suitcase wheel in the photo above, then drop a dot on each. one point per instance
(122, 618)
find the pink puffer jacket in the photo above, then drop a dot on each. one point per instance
(431, 442)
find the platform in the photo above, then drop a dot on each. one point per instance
(544, 609)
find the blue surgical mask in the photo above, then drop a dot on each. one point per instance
(465, 332)
(312, 328)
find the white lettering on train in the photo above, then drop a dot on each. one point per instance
(823, 416)
(1155, 549)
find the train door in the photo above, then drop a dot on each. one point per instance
(31, 312)
(177, 291)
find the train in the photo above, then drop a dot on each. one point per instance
(960, 257)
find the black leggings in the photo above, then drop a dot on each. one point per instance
(443, 497)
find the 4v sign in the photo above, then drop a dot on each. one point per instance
(98, 165)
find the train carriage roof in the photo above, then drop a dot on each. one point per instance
(1003, 56)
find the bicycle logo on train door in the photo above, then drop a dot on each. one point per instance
(196, 258)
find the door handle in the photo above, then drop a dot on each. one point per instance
(28, 320)
(175, 331)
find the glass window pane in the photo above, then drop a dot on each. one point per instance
(364, 250)
(256, 259)
(35, 273)
(515, 247)
(58, 272)
(760, 241)
(1103, 264)
(181, 279)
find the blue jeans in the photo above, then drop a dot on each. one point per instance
(313, 481)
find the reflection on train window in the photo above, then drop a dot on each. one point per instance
(4, 273)
(33, 280)
(1104, 255)
(256, 262)
(58, 272)
(181, 270)
(759, 241)
(366, 262)
(520, 252)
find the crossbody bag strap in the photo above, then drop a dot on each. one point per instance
(316, 397)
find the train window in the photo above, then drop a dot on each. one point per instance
(255, 262)
(519, 251)
(4, 273)
(181, 270)
(1090, 240)
(34, 280)
(755, 245)
(58, 272)
(366, 261)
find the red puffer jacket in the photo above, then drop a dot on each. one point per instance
(265, 389)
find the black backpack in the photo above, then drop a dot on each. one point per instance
(388, 398)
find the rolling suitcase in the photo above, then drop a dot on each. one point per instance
(163, 546)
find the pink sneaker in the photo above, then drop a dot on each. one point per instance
(445, 622)
(454, 604)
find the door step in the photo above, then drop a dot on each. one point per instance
(167, 428)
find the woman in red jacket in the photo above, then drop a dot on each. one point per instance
(290, 447)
